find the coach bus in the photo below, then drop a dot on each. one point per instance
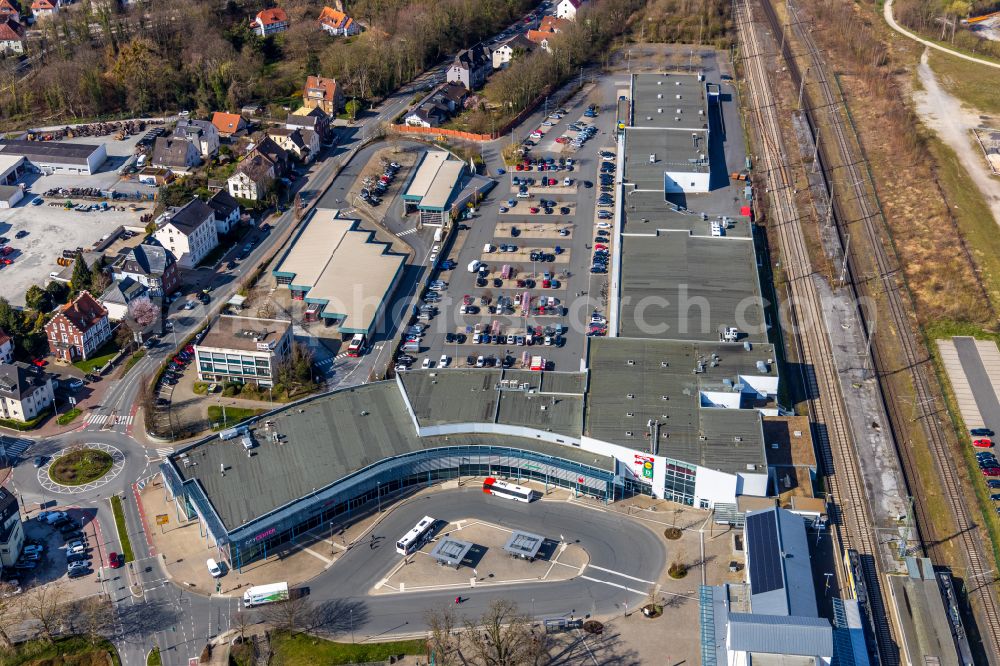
(416, 537)
(508, 490)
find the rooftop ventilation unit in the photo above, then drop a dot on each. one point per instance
(630, 362)
(750, 468)
(678, 96)
(677, 83)
(664, 397)
(664, 364)
(630, 396)
(628, 433)
(762, 367)
(659, 95)
(747, 346)
(659, 110)
(737, 439)
(702, 438)
(630, 414)
(679, 112)
(659, 83)
(652, 158)
(774, 446)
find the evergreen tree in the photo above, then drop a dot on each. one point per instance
(82, 276)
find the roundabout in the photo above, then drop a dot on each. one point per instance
(82, 468)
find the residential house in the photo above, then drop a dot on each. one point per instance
(188, 232)
(11, 35)
(202, 133)
(226, 211)
(513, 47)
(267, 147)
(428, 114)
(549, 27)
(303, 144)
(157, 176)
(253, 178)
(313, 119)
(26, 391)
(119, 294)
(10, 8)
(337, 23)
(78, 329)
(6, 347)
(151, 265)
(566, 9)
(243, 349)
(44, 8)
(11, 529)
(323, 94)
(471, 67)
(228, 124)
(178, 155)
(270, 22)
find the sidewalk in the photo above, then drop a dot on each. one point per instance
(183, 550)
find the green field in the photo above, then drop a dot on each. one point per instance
(71, 651)
(99, 359)
(119, 511)
(233, 415)
(80, 466)
(68, 417)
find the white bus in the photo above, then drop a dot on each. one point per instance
(508, 490)
(416, 537)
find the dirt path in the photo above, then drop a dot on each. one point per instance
(953, 123)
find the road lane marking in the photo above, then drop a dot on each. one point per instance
(621, 587)
(618, 573)
(318, 556)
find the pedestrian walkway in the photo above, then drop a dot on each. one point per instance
(108, 419)
(14, 446)
(406, 232)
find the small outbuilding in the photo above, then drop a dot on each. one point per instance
(451, 552)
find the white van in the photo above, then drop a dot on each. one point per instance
(474, 265)
(488, 248)
(411, 347)
(213, 568)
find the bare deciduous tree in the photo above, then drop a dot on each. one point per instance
(444, 641)
(10, 612)
(503, 636)
(291, 616)
(44, 605)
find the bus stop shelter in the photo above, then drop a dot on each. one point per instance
(524, 545)
(450, 552)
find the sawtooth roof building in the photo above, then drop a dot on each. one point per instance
(341, 271)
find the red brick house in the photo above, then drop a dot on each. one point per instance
(78, 329)
(323, 94)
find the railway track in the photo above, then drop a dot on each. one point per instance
(899, 305)
(853, 524)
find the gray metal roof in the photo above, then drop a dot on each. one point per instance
(778, 569)
(191, 216)
(678, 286)
(325, 440)
(633, 381)
(685, 152)
(655, 101)
(775, 634)
(921, 614)
(646, 212)
(553, 401)
(55, 151)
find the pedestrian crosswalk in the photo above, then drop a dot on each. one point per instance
(164, 452)
(406, 232)
(14, 446)
(108, 419)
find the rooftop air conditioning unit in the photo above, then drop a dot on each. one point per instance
(679, 112)
(630, 414)
(664, 364)
(630, 396)
(659, 110)
(664, 397)
(677, 83)
(774, 445)
(678, 96)
(652, 158)
(659, 95)
(797, 433)
(630, 362)
(628, 433)
(737, 439)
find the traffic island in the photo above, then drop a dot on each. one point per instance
(80, 466)
(486, 563)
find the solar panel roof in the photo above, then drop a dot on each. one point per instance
(764, 552)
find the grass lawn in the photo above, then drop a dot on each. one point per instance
(119, 511)
(233, 415)
(68, 416)
(153, 658)
(132, 360)
(81, 466)
(71, 651)
(972, 83)
(101, 357)
(304, 649)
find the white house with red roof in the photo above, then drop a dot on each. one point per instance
(11, 35)
(566, 9)
(43, 8)
(270, 21)
(337, 23)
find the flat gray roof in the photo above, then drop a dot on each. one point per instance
(634, 381)
(553, 401)
(655, 101)
(684, 152)
(451, 551)
(323, 441)
(445, 183)
(341, 266)
(647, 212)
(682, 287)
(425, 174)
(244, 333)
(524, 544)
(920, 614)
(69, 153)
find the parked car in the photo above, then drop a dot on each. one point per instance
(981, 432)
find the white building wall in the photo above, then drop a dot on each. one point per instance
(752, 484)
(714, 486)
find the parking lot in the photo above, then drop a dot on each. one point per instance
(60, 545)
(50, 229)
(534, 245)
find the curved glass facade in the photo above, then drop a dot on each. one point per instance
(366, 489)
